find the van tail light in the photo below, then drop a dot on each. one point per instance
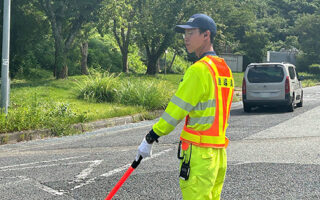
(244, 87)
(287, 85)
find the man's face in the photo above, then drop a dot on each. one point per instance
(193, 39)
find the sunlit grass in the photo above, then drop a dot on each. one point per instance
(55, 104)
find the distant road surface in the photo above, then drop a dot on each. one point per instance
(272, 154)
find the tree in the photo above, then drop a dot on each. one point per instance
(120, 16)
(156, 23)
(66, 18)
(253, 45)
(84, 46)
(29, 34)
(307, 28)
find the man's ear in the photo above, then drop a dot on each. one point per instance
(205, 34)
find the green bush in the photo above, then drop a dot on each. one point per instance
(99, 87)
(62, 117)
(303, 63)
(104, 54)
(58, 117)
(134, 60)
(107, 87)
(179, 65)
(73, 61)
(314, 68)
(34, 74)
(146, 93)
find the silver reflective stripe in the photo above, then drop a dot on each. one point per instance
(200, 120)
(182, 104)
(204, 105)
(170, 119)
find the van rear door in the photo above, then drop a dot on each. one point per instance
(265, 82)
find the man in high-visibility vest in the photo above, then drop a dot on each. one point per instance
(204, 98)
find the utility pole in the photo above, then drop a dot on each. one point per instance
(165, 62)
(5, 84)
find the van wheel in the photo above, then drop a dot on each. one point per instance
(291, 106)
(300, 104)
(246, 107)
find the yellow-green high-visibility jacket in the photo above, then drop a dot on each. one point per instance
(195, 96)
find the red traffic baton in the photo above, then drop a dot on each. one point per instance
(133, 166)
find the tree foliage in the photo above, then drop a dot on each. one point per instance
(308, 29)
(67, 17)
(119, 17)
(156, 23)
(248, 27)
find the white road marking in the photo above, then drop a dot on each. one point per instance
(68, 139)
(52, 165)
(13, 182)
(26, 180)
(117, 170)
(112, 172)
(34, 163)
(48, 189)
(80, 177)
(86, 172)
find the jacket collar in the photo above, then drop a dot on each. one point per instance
(211, 53)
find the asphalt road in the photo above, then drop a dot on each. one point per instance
(273, 154)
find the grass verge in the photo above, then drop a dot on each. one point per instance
(55, 104)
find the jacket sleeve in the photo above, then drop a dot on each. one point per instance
(187, 96)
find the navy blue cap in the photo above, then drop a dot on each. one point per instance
(198, 21)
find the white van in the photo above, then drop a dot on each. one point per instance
(275, 84)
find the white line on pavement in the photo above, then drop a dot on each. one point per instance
(86, 172)
(25, 180)
(47, 189)
(52, 165)
(67, 139)
(117, 170)
(34, 163)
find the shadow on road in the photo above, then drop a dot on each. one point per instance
(265, 110)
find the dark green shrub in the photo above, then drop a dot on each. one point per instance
(303, 63)
(314, 68)
(179, 65)
(103, 54)
(135, 63)
(34, 74)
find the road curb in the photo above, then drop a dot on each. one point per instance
(14, 137)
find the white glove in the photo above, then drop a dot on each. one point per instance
(144, 150)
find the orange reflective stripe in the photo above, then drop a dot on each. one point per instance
(230, 97)
(215, 128)
(223, 106)
(224, 145)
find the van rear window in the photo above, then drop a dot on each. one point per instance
(265, 74)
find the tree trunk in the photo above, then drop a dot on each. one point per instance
(152, 65)
(158, 66)
(123, 40)
(170, 66)
(63, 73)
(60, 68)
(84, 58)
(125, 67)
